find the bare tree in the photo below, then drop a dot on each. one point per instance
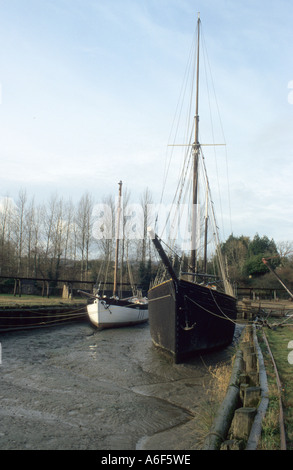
(20, 227)
(146, 201)
(123, 236)
(285, 249)
(57, 238)
(104, 216)
(7, 210)
(68, 232)
(84, 224)
(40, 240)
(29, 228)
(37, 232)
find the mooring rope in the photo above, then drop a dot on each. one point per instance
(224, 317)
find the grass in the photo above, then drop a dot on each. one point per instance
(215, 391)
(9, 300)
(278, 339)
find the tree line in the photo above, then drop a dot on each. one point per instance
(58, 240)
(244, 256)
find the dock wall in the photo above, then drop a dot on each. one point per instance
(238, 423)
(12, 318)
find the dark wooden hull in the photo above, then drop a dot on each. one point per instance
(186, 318)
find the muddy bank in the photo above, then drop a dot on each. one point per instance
(14, 318)
(72, 387)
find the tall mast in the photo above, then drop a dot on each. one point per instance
(117, 240)
(195, 161)
(205, 257)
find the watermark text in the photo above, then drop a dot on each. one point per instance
(172, 220)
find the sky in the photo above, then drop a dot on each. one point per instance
(88, 90)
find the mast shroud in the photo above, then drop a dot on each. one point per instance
(117, 240)
(195, 162)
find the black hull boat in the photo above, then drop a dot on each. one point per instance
(190, 312)
(186, 318)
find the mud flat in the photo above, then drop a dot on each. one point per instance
(71, 387)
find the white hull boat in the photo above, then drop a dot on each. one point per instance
(115, 313)
(112, 312)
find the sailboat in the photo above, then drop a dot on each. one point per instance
(187, 313)
(113, 312)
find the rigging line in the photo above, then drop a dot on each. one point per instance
(228, 189)
(188, 78)
(186, 159)
(217, 239)
(100, 271)
(225, 317)
(40, 317)
(180, 185)
(171, 249)
(182, 195)
(44, 321)
(184, 171)
(176, 229)
(205, 57)
(178, 113)
(184, 177)
(188, 153)
(223, 313)
(27, 327)
(222, 130)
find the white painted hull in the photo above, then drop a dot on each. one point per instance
(117, 314)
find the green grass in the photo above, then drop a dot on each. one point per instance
(278, 339)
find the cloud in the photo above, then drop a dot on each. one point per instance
(89, 91)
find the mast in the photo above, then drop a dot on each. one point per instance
(195, 148)
(117, 240)
(206, 233)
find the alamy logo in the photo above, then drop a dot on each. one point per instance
(173, 219)
(290, 355)
(290, 94)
